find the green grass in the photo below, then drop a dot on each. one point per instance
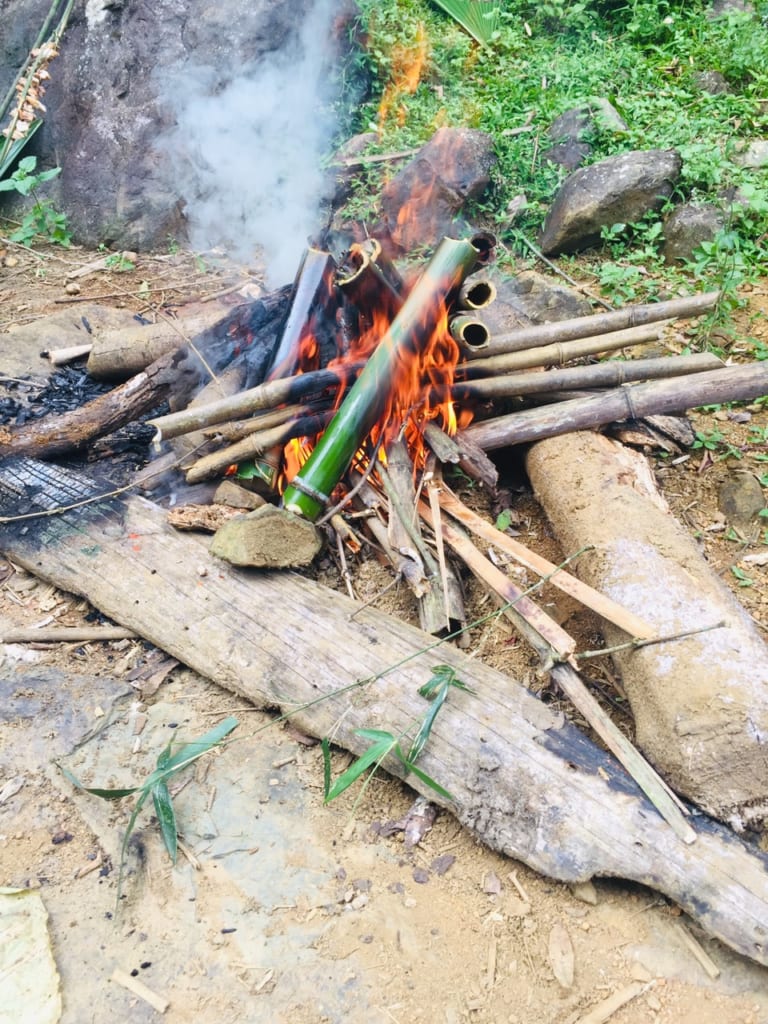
(545, 58)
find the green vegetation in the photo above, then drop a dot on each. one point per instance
(545, 58)
(41, 221)
(384, 744)
(169, 764)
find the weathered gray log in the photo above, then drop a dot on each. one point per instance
(528, 784)
(700, 704)
(732, 383)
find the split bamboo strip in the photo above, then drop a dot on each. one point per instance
(665, 397)
(601, 323)
(594, 375)
(367, 401)
(586, 595)
(560, 353)
(553, 644)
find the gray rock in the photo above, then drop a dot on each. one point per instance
(618, 190)
(452, 168)
(712, 82)
(268, 538)
(741, 500)
(570, 131)
(687, 227)
(531, 297)
(754, 154)
(126, 76)
(721, 8)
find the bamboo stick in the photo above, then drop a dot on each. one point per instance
(371, 393)
(476, 294)
(559, 353)
(548, 639)
(594, 375)
(265, 396)
(664, 397)
(469, 333)
(601, 323)
(586, 595)
(255, 445)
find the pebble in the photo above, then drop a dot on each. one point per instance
(73, 288)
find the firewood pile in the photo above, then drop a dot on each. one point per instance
(328, 410)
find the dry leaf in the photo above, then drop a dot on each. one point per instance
(561, 955)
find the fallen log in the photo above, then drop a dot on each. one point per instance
(700, 704)
(633, 402)
(527, 783)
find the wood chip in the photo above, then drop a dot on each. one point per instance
(695, 947)
(139, 989)
(561, 955)
(604, 1010)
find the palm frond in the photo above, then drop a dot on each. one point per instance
(478, 17)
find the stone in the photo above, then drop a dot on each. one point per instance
(741, 500)
(531, 297)
(721, 8)
(687, 227)
(453, 168)
(123, 83)
(712, 82)
(571, 130)
(618, 190)
(268, 538)
(754, 154)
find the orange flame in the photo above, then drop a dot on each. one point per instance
(408, 62)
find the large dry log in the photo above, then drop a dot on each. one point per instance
(527, 783)
(700, 704)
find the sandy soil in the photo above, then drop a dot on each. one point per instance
(281, 908)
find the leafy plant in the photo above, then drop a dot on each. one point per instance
(118, 261)
(479, 17)
(42, 220)
(155, 785)
(384, 744)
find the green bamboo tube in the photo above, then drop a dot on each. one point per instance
(310, 490)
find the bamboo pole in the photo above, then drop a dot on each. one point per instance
(595, 375)
(470, 333)
(601, 323)
(559, 353)
(664, 397)
(370, 395)
(263, 397)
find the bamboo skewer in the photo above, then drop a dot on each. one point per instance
(553, 643)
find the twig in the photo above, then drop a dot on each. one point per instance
(65, 634)
(159, 1003)
(647, 642)
(557, 270)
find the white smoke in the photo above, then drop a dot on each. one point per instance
(246, 153)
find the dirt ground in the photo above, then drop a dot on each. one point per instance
(280, 908)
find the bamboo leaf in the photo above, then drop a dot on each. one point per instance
(105, 794)
(428, 721)
(382, 744)
(166, 817)
(325, 746)
(429, 781)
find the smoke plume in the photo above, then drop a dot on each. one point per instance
(246, 153)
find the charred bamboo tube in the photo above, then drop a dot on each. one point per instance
(664, 397)
(369, 281)
(597, 375)
(469, 333)
(310, 299)
(600, 323)
(559, 353)
(477, 294)
(256, 445)
(371, 394)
